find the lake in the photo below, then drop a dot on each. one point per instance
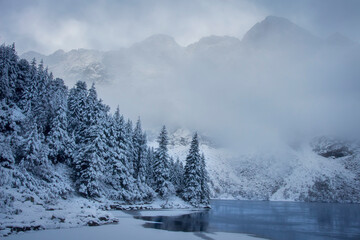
(271, 220)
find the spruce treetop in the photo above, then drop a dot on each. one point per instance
(163, 139)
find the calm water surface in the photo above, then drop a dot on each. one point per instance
(272, 220)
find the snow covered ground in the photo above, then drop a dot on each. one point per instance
(126, 228)
(77, 212)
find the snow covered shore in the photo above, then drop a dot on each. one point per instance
(126, 228)
(74, 212)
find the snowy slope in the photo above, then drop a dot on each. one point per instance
(148, 59)
(30, 203)
(77, 64)
(290, 175)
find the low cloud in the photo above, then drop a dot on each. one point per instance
(106, 25)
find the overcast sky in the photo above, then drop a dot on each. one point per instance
(45, 25)
(248, 98)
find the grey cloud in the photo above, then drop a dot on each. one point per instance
(46, 26)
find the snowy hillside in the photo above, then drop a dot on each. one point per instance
(74, 65)
(151, 58)
(295, 175)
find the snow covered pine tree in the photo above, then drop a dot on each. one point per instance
(205, 190)
(196, 190)
(162, 183)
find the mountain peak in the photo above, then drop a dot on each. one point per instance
(274, 23)
(278, 31)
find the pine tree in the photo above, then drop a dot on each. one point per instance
(130, 151)
(34, 152)
(205, 190)
(149, 165)
(77, 102)
(8, 71)
(162, 183)
(28, 99)
(92, 152)
(23, 81)
(6, 130)
(41, 100)
(5, 90)
(88, 170)
(121, 136)
(139, 144)
(60, 144)
(11, 120)
(192, 176)
(6, 152)
(177, 173)
(117, 173)
(59, 96)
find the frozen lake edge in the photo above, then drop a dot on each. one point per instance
(126, 228)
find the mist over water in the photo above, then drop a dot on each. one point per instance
(269, 86)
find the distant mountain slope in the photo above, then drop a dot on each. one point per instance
(160, 57)
(296, 175)
(80, 64)
(30, 55)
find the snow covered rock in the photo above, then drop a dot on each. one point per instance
(331, 147)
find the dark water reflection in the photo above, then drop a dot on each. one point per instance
(195, 222)
(273, 220)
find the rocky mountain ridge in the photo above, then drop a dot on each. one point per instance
(159, 54)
